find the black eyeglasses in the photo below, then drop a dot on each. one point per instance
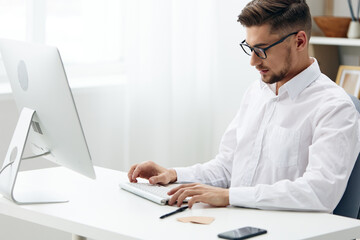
(260, 52)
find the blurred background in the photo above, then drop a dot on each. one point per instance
(152, 80)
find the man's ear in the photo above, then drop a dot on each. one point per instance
(301, 41)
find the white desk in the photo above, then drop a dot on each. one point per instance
(98, 209)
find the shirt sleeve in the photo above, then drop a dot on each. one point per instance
(332, 155)
(216, 172)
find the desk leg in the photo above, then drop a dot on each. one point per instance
(77, 237)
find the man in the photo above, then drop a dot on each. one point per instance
(295, 138)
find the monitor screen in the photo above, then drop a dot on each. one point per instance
(39, 84)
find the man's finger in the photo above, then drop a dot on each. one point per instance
(187, 193)
(175, 196)
(130, 173)
(195, 199)
(137, 172)
(175, 189)
(158, 179)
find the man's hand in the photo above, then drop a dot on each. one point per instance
(153, 172)
(218, 197)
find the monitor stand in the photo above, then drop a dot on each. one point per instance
(11, 166)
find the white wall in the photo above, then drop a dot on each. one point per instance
(340, 7)
(186, 74)
(175, 114)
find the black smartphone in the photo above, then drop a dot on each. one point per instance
(242, 233)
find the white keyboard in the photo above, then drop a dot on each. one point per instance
(156, 193)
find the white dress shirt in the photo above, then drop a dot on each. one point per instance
(291, 151)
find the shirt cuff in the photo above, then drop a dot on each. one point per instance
(184, 175)
(242, 196)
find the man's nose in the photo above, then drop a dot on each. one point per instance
(254, 59)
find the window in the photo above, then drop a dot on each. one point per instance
(88, 33)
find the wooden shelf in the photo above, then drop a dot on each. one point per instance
(335, 41)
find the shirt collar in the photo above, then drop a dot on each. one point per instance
(298, 83)
(301, 81)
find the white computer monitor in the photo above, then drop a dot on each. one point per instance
(47, 111)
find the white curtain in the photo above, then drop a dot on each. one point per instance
(177, 106)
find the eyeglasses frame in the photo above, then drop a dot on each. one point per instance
(243, 43)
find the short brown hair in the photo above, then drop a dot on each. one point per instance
(282, 15)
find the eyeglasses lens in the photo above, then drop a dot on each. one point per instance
(259, 52)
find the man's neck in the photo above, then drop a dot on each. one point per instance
(301, 67)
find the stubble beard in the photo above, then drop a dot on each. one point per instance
(283, 72)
